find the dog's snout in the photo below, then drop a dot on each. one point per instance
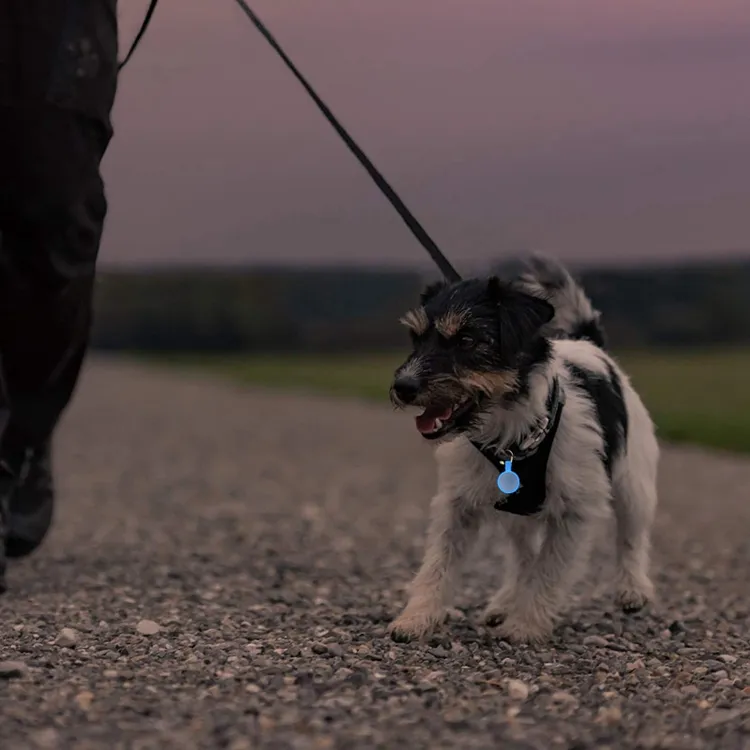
(406, 388)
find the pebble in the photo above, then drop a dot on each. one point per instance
(563, 697)
(67, 638)
(518, 690)
(148, 627)
(609, 715)
(45, 739)
(596, 641)
(84, 700)
(728, 659)
(10, 670)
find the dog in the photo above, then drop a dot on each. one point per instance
(498, 365)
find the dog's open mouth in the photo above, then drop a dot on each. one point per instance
(440, 418)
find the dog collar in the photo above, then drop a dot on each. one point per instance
(523, 464)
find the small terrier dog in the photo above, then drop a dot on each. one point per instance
(516, 371)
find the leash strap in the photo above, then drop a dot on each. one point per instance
(445, 266)
(139, 35)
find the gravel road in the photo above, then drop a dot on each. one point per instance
(225, 563)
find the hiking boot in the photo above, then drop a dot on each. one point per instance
(30, 504)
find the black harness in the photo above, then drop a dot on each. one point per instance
(529, 457)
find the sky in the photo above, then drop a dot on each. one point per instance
(597, 132)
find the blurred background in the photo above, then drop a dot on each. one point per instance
(244, 238)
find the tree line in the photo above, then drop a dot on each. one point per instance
(319, 310)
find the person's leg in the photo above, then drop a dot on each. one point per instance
(55, 104)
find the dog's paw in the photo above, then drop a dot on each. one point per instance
(631, 601)
(494, 614)
(414, 626)
(519, 629)
(497, 609)
(492, 618)
(632, 597)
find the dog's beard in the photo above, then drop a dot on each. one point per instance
(453, 404)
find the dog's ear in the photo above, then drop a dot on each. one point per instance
(521, 315)
(431, 291)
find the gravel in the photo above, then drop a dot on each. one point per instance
(225, 563)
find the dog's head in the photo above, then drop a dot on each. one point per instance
(468, 341)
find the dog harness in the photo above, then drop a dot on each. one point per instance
(527, 459)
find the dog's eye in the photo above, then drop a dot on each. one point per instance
(467, 342)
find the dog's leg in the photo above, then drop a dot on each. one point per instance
(634, 501)
(453, 528)
(523, 547)
(543, 587)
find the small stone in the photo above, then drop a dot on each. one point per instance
(46, 739)
(266, 723)
(635, 665)
(609, 715)
(689, 690)
(728, 659)
(84, 700)
(562, 697)
(595, 640)
(319, 648)
(67, 638)
(10, 670)
(110, 674)
(721, 674)
(518, 690)
(725, 682)
(714, 664)
(148, 627)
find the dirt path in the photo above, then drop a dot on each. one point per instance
(271, 537)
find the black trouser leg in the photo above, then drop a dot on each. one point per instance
(51, 226)
(58, 75)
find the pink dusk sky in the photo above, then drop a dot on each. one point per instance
(595, 131)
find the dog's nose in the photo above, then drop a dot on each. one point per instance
(406, 388)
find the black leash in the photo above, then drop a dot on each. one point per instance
(530, 498)
(139, 35)
(445, 266)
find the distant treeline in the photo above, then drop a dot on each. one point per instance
(193, 310)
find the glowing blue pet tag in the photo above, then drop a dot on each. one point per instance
(508, 482)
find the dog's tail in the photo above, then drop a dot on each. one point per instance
(575, 316)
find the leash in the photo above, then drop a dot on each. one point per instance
(525, 494)
(445, 266)
(139, 35)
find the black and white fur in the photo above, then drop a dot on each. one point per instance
(603, 460)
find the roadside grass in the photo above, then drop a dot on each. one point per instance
(699, 397)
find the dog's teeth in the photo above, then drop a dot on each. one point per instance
(438, 425)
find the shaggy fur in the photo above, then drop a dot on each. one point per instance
(486, 377)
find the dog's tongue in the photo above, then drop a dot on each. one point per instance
(427, 419)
